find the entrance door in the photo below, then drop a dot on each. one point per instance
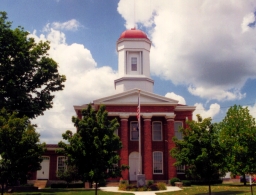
(134, 165)
(44, 172)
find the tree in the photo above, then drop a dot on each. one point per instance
(27, 75)
(20, 149)
(200, 151)
(69, 174)
(93, 150)
(238, 136)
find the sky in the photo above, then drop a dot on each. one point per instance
(203, 52)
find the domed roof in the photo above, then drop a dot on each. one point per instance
(133, 34)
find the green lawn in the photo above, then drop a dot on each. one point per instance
(224, 189)
(80, 191)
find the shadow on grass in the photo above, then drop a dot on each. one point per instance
(224, 193)
(50, 191)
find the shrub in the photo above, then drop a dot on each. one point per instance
(186, 183)
(122, 186)
(173, 180)
(153, 187)
(161, 186)
(132, 188)
(64, 185)
(150, 182)
(102, 183)
(204, 182)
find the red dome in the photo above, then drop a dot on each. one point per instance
(133, 34)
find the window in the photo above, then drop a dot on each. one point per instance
(116, 132)
(157, 131)
(177, 126)
(134, 131)
(180, 169)
(134, 64)
(62, 163)
(157, 162)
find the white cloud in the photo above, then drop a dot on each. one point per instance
(176, 97)
(85, 82)
(252, 110)
(217, 93)
(71, 25)
(199, 43)
(213, 110)
(250, 18)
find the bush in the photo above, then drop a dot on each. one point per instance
(102, 183)
(131, 188)
(122, 186)
(150, 182)
(186, 183)
(173, 180)
(153, 187)
(64, 185)
(161, 186)
(205, 182)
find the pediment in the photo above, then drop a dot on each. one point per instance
(131, 98)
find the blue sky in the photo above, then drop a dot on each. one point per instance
(203, 51)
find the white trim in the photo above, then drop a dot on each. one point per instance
(161, 131)
(161, 164)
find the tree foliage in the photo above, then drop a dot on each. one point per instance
(200, 151)
(27, 75)
(20, 149)
(69, 174)
(94, 148)
(238, 136)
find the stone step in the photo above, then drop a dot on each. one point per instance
(40, 184)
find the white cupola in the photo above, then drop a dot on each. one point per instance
(133, 49)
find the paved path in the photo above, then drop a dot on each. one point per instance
(115, 189)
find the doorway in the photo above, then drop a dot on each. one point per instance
(44, 172)
(134, 166)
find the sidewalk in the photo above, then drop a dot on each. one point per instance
(115, 189)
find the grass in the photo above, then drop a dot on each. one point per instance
(79, 191)
(222, 189)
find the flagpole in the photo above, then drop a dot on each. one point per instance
(139, 136)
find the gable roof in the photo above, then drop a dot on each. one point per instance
(130, 97)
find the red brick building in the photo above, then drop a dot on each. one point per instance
(160, 117)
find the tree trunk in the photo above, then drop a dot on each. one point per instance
(2, 189)
(244, 179)
(210, 190)
(96, 188)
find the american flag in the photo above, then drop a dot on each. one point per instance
(138, 108)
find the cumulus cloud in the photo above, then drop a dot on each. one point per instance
(85, 82)
(206, 44)
(247, 20)
(252, 110)
(71, 25)
(213, 110)
(217, 93)
(176, 97)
